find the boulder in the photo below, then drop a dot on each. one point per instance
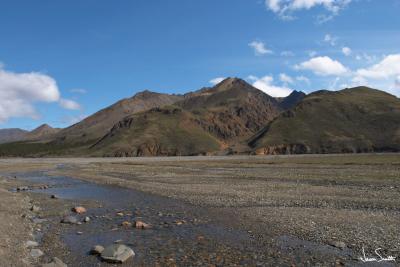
(117, 253)
(86, 219)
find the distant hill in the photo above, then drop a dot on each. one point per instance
(43, 131)
(353, 120)
(98, 124)
(11, 135)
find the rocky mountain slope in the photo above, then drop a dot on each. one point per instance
(353, 120)
(206, 121)
(98, 124)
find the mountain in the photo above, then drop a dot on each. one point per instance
(98, 124)
(167, 131)
(43, 131)
(352, 120)
(11, 135)
(291, 100)
(204, 122)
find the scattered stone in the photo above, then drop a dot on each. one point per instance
(79, 210)
(338, 244)
(96, 250)
(70, 220)
(117, 253)
(37, 220)
(142, 225)
(79, 233)
(22, 188)
(118, 241)
(86, 219)
(126, 224)
(120, 214)
(55, 263)
(31, 244)
(54, 196)
(35, 208)
(180, 222)
(36, 253)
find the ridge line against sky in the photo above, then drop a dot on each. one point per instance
(57, 70)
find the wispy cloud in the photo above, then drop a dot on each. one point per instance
(259, 48)
(69, 104)
(285, 9)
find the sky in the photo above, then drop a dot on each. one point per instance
(61, 61)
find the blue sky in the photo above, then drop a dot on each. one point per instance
(64, 60)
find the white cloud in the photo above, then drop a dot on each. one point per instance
(259, 48)
(330, 39)
(346, 51)
(216, 81)
(389, 67)
(303, 79)
(286, 79)
(19, 92)
(78, 91)
(265, 85)
(323, 66)
(69, 104)
(285, 8)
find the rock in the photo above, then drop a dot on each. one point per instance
(54, 196)
(79, 233)
(35, 208)
(86, 219)
(36, 253)
(31, 244)
(22, 188)
(79, 210)
(126, 224)
(117, 253)
(96, 250)
(55, 263)
(142, 225)
(338, 244)
(70, 220)
(120, 214)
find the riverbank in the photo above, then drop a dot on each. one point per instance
(287, 210)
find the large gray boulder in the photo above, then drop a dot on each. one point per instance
(117, 253)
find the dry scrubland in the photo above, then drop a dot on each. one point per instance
(350, 198)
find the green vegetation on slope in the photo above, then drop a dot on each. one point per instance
(167, 131)
(352, 120)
